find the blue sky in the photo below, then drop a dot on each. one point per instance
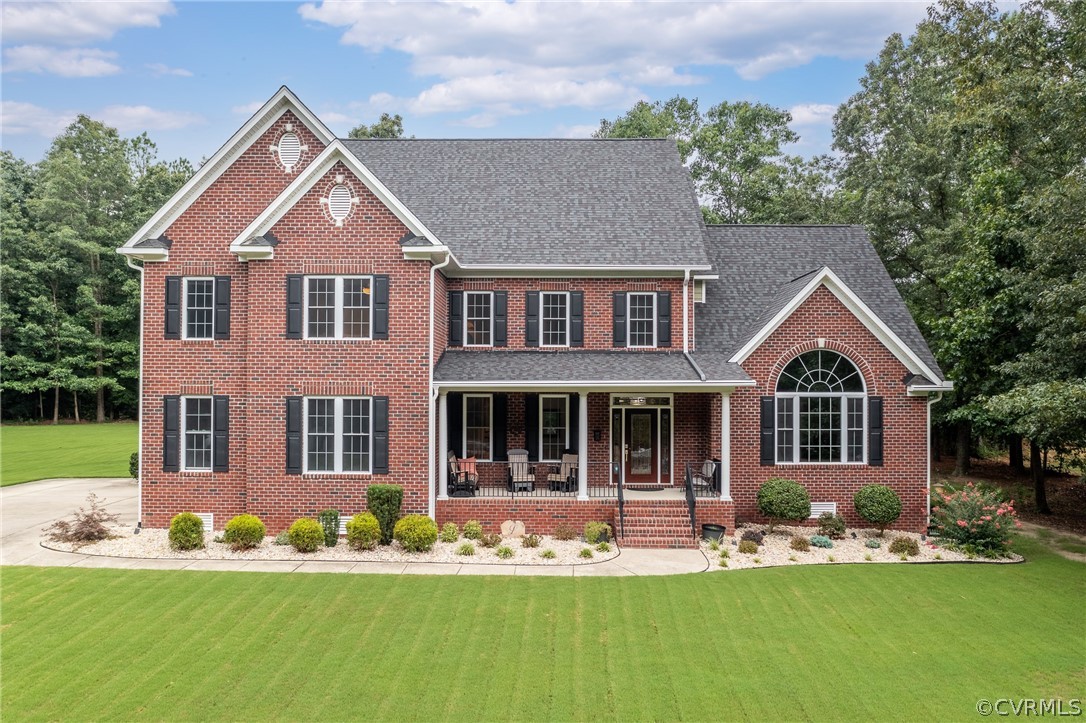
(190, 73)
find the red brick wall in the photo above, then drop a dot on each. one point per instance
(905, 418)
(539, 515)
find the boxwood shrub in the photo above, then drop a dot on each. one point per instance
(384, 501)
(417, 533)
(329, 520)
(306, 535)
(244, 532)
(186, 532)
(363, 531)
(877, 504)
(783, 499)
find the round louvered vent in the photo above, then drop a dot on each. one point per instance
(290, 149)
(339, 202)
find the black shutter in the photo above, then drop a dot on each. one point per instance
(531, 426)
(501, 427)
(501, 318)
(619, 317)
(294, 435)
(380, 435)
(173, 307)
(455, 412)
(769, 431)
(222, 307)
(574, 423)
(295, 283)
(456, 318)
(220, 444)
(663, 318)
(171, 433)
(576, 318)
(531, 319)
(874, 431)
(380, 306)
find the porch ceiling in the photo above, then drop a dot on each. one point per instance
(588, 368)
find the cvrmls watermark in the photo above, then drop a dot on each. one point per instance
(1025, 707)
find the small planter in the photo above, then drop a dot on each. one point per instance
(712, 532)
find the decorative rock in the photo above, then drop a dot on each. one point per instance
(513, 529)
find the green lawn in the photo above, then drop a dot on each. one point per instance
(30, 452)
(920, 642)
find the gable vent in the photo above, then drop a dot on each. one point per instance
(290, 150)
(339, 203)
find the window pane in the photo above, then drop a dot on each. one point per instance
(356, 308)
(820, 371)
(356, 435)
(320, 435)
(785, 430)
(477, 319)
(820, 429)
(642, 319)
(199, 308)
(322, 308)
(477, 427)
(855, 429)
(554, 320)
(198, 433)
(553, 428)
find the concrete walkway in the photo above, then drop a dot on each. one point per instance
(29, 507)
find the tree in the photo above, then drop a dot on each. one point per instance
(678, 119)
(388, 126)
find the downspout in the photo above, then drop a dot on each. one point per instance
(686, 333)
(139, 407)
(931, 401)
(432, 395)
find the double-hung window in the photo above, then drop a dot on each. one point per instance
(338, 307)
(555, 318)
(553, 426)
(820, 410)
(478, 426)
(478, 318)
(338, 437)
(642, 316)
(197, 433)
(199, 308)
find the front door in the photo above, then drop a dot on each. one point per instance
(642, 458)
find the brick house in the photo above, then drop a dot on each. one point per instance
(320, 314)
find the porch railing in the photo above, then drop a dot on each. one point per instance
(621, 507)
(542, 480)
(691, 500)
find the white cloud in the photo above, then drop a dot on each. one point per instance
(812, 114)
(22, 118)
(126, 118)
(71, 63)
(163, 69)
(75, 23)
(247, 108)
(496, 58)
(18, 118)
(574, 131)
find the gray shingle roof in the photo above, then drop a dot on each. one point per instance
(574, 366)
(547, 201)
(762, 267)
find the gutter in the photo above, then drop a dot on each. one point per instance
(139, 406)
(694, 364)
(931, 402)
(432, 396)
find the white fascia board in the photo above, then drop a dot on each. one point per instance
(336, 152)
(283, 100)
(142, 253)
(615, 386)
(858, 308)
(919, 390)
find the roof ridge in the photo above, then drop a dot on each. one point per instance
(783, 225)
(515, 138)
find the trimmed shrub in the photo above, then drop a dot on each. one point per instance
(548, 554)
(134, 465)
(450, 532)
(384, 501)
(473, 530)
(975, 520)
(873, 543)
(748, 547)
(186, 532)
(831, 525)
(877, 504)
(905, 546)
(597, 532)
(564, 532)
(530, 541)
(363, 531)
(821, 541)
(306, 535)
(800, 544)
(466, 548)
(490, 540)
(416, 533)
(244, 532)
(755, 536)
(504, 552)
(783, 499)
(586, 552)
(87, 525)
(329, 520)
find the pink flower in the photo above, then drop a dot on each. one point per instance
(1017, 524)
(987, 518)
(962, 523)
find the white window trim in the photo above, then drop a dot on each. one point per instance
(184, 434)
(542, 306)
(464, 426)
(630, 319)
(185, 308)
(540, 424)
(467, 305)
(337, 437)
(338, 312)
(843, 396)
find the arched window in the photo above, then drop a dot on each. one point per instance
(820, 409)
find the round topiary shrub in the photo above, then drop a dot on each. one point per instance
(363, 531)
(877, 504)
(186, 532)
(306, 535)
(384, 501)
(416, 533)
(783, 499)
(473, 530)
(244, 532)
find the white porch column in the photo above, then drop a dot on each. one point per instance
(443, 445)
(726, 446)
(582, 448)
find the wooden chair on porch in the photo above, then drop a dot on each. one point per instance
(563, 477)
(521, 473)
(704, 478)
(461, 482)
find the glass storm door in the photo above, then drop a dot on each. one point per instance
(642, 449)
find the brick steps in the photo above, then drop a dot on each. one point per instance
(659, 524)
